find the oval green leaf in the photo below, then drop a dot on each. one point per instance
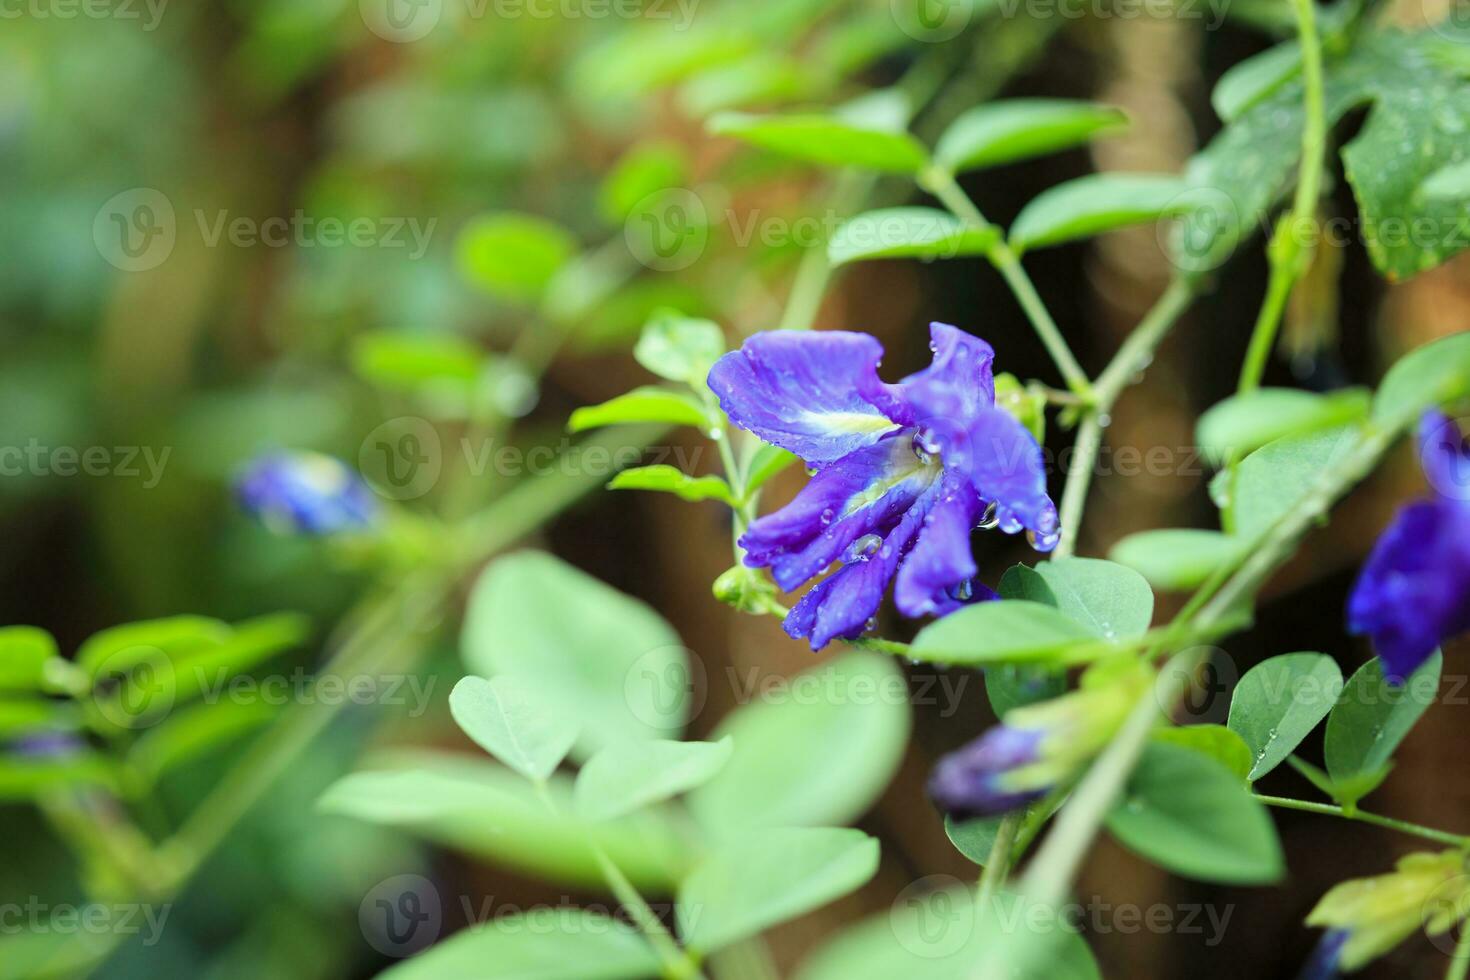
(1372, 717)
(826, 140)
(1019, 129)
(1092, 205)
(1010, 631)
(507, 720)
(623, 778)
(641, 405)
(1279, 701)
(1245, 423)
(922, 233)
(1175, 558)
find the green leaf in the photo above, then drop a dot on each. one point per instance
(511, 255)
(1427, 377)
(1372, 717)
(763, 77)
(24, 653)
(583, 648)
(196, 731)
(812, 750)
(645, 169)
(25, 779)
(1017, 685)
(559, 943)
(1451, 183)
(415, 362)
(1009, 631)
(31, 715)
(976, 838)
(759, 880)
(766, 463)
(1019, 129)
(1213, 741)
(1279, 701)
(507, 720)
(922, 233)
(1110, 600)
(941, 935)
(670, 479)
(1269, 482)
(121, 647)
(825, 140)
(1346, 792)
(1254, 79)
(1247, 169)
(1191, 815)
(680, 348)
(623, 778)
(1092, 205)
(479, 807)
(248, 644)
(646, 404)
(1244, 423)
(1175, 558)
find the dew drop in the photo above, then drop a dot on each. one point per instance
(871, 624)
(991, 517)
(1044, 541)
(963, 591)
(862, 549)
(827, 516)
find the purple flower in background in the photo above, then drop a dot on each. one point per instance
(902, 473)
(306, 493)
(1414, 591)
(1324, 962)
(976, 780)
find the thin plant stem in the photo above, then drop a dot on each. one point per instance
(998, 865)
(943, 186)
(1389, 823)
(1079, 479)
(1460, 961)
(1286, 250)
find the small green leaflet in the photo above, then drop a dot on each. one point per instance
(680, 348)
(670, 479)
(1018, 129)
(646, 404)
(1175, 558)
(511, 255)
(1010, 631)
(1427, 377)
(1212, 741)
(759, 879)
(923, 233)
(507, 720)
(1244, 423)
(1189, 814)
(1372, 717)
(1279, 701)
(1092, 205)
(24, 653)
(767, 462)
(826, 140)
(627, 776)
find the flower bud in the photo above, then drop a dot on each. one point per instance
(1370, 916)
(306, 493)
(1037, 747)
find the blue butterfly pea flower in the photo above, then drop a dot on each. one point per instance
(902, 473)
(306, 493)
(1414, 591)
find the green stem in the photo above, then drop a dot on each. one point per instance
(1460, 962)
(678, 963)
(943, 186)
(1286, 249)
(1402, 826)
(1132, 357)
(998, 865)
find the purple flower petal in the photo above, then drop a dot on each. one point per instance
(815, 393)
(1414, 590)
(1005, 465)
(942, 561)
(841, 604)
(864, 493)
(958, 383)
(968, 782)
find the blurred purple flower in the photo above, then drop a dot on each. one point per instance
(902, 473)
(1414, 591)
(972, 781)
(306, 493)
(1323, 964)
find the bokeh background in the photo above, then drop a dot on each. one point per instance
(204, 350)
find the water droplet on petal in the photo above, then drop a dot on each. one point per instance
(963, 591)
(871, 624)
(991, 517)
(862, 549)
(827, 515)
(1044, 540)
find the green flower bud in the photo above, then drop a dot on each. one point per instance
(748, 590)
(1024, 405)
(1425, 891)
